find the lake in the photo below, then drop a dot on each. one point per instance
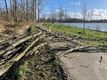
(93, 26)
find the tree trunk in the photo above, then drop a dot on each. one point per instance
(27, 12)
(15, 10)
(35, 2)
(6, 8)
(11, 15)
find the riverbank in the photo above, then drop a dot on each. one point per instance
(89, 37)
(47, 65)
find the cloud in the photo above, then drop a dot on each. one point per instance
(75, 15)
(98, 14)
(95, 14)
(57, 10)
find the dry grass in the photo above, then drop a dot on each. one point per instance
(18, 28)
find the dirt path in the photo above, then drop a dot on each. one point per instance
(86, 66)
(81, 66)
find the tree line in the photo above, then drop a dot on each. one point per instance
(19, 10)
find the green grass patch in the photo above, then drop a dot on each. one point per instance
(78, 32)
(32, 29)
(21, 70)
(90, 35)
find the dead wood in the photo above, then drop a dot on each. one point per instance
(77, 49)
(19, 42)
(4, 68)
(27, 49)
(48, 32)
(89, 49)
(35, 49)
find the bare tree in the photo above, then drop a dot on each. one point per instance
(52, 15)
(6, 8)
(11, 9)
(40, 5)
(61, 14)
(23, 9)
(65, 14)
(27, 10)
(15, 10)
(34, 9)
(84, 15)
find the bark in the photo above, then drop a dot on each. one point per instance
(6, 9)
(8, 64)
(27, 49)
(27, 10)
(18, 42)
(15, 10)
(35, 2)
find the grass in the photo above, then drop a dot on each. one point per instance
(33, 28)
(21, 70)
(93, 38)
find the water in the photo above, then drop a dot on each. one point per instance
(93, 26)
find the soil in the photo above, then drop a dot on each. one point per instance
(44, 66)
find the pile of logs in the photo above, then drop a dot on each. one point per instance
(13, 49)
(19, 48)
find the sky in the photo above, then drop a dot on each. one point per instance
(75, 7)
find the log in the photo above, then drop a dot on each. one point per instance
(35, 49)
(53, 34)
(5, 57)
(8, 56)
(78, 49)
(19, 42)
(8, 65)
(49, 30)
(27, 49)
(7, 38)
(10, 52)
